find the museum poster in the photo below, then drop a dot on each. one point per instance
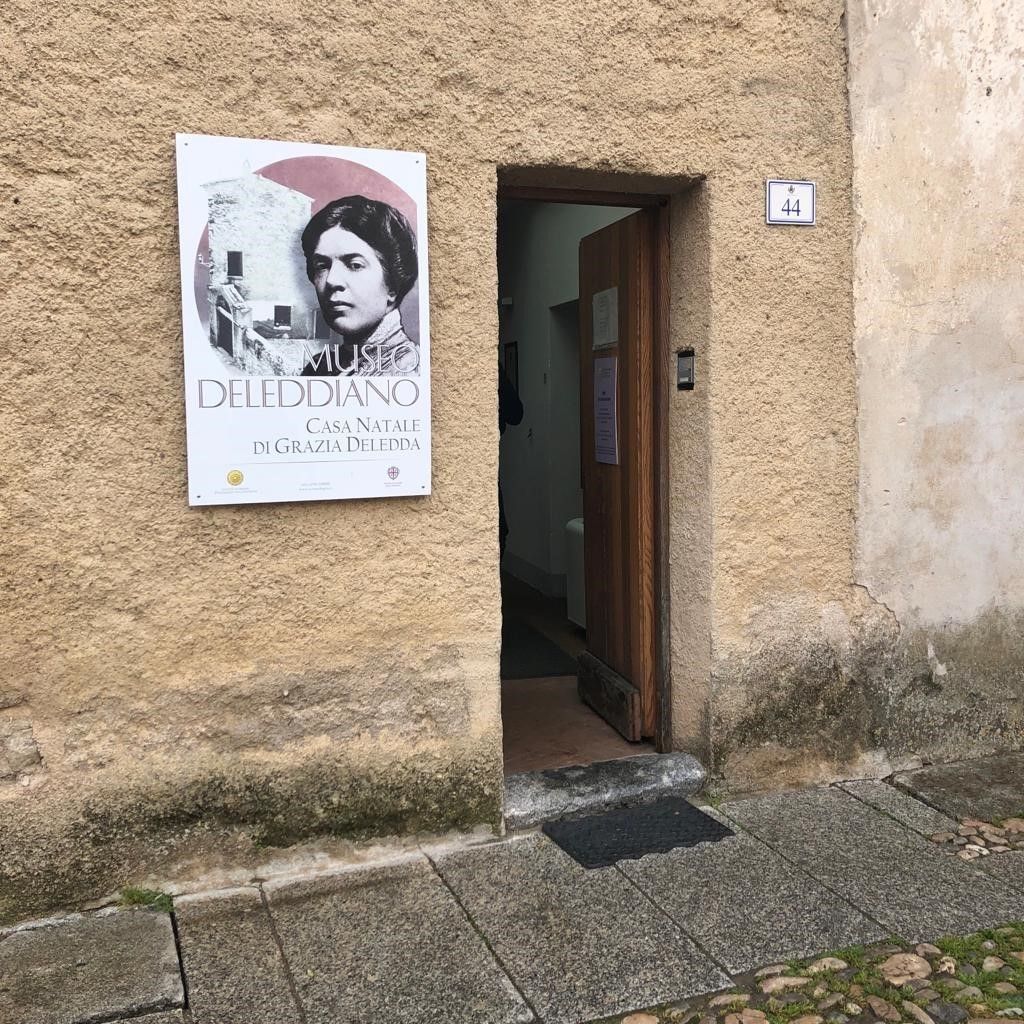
(305, 321)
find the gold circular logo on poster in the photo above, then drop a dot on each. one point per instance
(235, 477)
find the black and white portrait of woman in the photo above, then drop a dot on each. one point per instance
(335, 224)
(360, 257)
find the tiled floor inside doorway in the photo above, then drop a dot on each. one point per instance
(545, 723)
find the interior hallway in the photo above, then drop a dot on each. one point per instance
(545, 723)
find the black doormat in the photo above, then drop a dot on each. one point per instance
(628, 833)
(526, 653)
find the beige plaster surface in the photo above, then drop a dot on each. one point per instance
(689, 453)
(937, 96)
(927, 658)
(270, 672)
(937, 90)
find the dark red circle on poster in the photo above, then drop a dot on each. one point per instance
(323, 179)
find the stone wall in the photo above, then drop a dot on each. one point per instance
(263, 220)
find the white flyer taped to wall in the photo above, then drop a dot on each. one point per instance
(306, 321)
(605, 306)
(606, 428)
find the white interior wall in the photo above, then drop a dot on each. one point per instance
(565, 496)
(538, 269)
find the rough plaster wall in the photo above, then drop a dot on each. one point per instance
(689, 445)
(782, 409)
(290, 668)
(924, 656)
(782, 436)
(937, 98)
(937, 89)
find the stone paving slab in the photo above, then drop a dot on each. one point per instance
(1007, 867)
(94, 966)
(174, 1017)
(389, 945)
(233, 967)
(901, 806)
(579, 944)
(892, 874)
(987, 788)
(746, 906)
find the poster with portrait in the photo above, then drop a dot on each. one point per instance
(306, 321)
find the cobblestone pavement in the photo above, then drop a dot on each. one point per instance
(515, 930)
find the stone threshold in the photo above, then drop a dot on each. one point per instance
(532, 798)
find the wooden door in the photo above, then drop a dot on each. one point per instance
(618, 671)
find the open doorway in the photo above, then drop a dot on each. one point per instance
(577, 451)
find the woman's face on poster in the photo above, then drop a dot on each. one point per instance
(350, 283)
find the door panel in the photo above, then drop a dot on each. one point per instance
(618, 672)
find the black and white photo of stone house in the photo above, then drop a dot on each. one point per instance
(263, 315)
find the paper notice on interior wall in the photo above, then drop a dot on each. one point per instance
(606, 318)
(606, 428)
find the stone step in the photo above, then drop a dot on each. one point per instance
(535, 797)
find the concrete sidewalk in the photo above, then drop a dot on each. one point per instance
(515, 930)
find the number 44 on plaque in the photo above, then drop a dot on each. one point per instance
(790, 202)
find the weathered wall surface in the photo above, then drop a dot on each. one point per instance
(781, 428)
(937, 97)
(924, 655)
(267, 672)
(689, 500)
(937, 88)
